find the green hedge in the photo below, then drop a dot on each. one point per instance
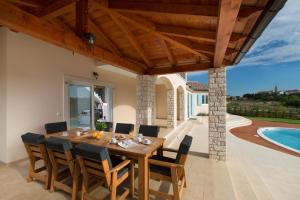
(264, 111)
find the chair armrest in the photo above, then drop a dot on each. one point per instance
(120, 166)
(164, 164)
(170, 150)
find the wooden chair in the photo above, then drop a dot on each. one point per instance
(56, 127)
(95, 161)
(35, 147)
(169, 169)
(63, 166)
(109, 127)
(149, 130)
(124, 128)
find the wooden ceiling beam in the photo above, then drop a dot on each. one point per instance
(97, 30)
(180, 68)
(210, 49)
(81, 17)
(150, 29)
(131, 38)
(192, 45)
(192, 33)
(228, 12)
(142, 7)
(57, 8)
(60, 35)
(168, 51)
(29, 3)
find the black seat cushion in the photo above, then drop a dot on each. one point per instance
(159, 169)
(33, 138)
(93, 152)
(184, 147)
(58, 144)
(109, 126)
(56, 127)
(124, 128)
(149, 130)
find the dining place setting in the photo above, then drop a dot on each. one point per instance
(110, 157)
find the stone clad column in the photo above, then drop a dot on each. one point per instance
(217, 113)
(145, 96)
(171, 108)
(180, 105)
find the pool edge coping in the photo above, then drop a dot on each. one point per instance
(261, 134)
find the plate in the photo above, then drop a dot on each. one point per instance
(148, 142)
(120, 137)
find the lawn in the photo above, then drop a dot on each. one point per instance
(283, 120)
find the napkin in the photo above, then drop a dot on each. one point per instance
(126, 144)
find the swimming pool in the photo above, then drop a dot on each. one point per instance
(288, 138)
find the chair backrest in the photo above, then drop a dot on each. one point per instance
(149, 130)
(60, 152)
(56, 127)
(58, 144)
(94, 160)
(33, 138)
(184, 149)
(124, 128)
(109, 126)
(35, 147)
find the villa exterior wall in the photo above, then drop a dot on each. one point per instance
(161, 103)
(35, 88)
(197, 103)
(175, 81)
(3, 94)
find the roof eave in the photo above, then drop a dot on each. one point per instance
(270, 11)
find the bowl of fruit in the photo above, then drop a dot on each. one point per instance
(97, 135)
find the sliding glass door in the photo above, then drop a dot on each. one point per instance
(80, 104)
(86, 103)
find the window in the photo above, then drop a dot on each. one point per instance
(205, 99)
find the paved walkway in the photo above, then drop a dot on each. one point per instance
(256, 172)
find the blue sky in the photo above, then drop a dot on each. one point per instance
(273, 60)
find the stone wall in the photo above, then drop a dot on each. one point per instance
(172, 105)
(145, 91)
(180, 106)
(217, 114)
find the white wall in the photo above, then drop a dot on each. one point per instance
(2, 94)
(124, 95)
(35, 74)
(203, 108)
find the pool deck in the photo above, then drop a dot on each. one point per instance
(249, 133)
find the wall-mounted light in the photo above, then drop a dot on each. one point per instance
(96, 75)
(90, 39)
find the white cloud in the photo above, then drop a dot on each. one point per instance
(284, 29)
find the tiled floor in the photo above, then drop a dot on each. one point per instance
(206, 180)
(251, 172)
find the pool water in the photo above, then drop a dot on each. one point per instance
(288, 138)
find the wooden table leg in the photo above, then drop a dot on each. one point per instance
(143, 177)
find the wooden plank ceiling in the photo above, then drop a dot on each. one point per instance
(142, 36)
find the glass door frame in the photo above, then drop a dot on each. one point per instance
(89, 83)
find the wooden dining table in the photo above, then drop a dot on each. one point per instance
(138, 151)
